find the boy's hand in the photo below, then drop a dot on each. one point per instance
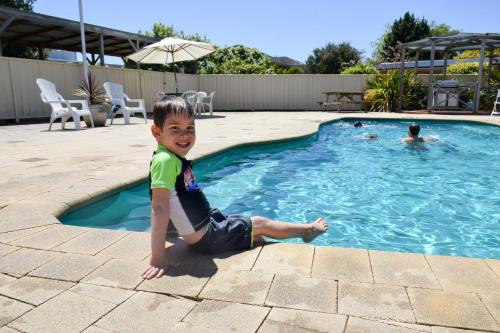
(157, 268)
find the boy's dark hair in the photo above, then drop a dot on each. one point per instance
(358, 124)
(414, 129)
(170, 105)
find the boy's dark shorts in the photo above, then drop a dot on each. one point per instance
(225, 233)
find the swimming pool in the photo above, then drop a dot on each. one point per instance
(437, 198)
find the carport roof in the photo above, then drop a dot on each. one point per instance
(20, 28)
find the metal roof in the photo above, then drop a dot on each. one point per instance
(427, 63)
(460, 41)
(20, 28)
(286, 62)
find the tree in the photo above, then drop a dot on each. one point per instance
(442, 29)
(403, 30)
(21, 52)
(23, 5)
(332, 58)
(237, 59)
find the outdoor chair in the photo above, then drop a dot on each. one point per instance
(496, 104)
(203, 100)
(118, 97)
(61, 108)
(190, 97)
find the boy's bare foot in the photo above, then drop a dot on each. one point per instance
(316, 228)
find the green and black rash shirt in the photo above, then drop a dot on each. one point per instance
(189, 208)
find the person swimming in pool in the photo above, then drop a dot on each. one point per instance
(413, 132)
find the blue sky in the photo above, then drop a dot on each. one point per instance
(279, 28)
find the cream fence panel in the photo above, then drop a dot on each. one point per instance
(7, 110)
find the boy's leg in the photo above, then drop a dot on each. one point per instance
(262, 226)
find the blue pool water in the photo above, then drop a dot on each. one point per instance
(437, 198)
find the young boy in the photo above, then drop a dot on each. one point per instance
(176, 196)
(413, 131)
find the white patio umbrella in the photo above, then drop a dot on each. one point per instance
(171, 50)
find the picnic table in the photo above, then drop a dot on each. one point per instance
(341, 98)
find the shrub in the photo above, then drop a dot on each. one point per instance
(464, 68)
(489, 93)
(383, 91)
(360, 68)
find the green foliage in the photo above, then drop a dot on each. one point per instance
(331, 58)
(489, 93)
(465, 68)
(360, 68)
(237, 59)
(442, 29)
(472, 54)
(403, 30)
(383, 91)
(288, 70)
(23, 5)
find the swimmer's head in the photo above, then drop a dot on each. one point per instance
(358, 124)
(373, 136)
(414, 129)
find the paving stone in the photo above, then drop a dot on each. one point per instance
(6, 279)
(95, 329)
(34, 290)
(361, 325)
(69, 267)
(146, 312)
(374, 301)
(67, 312)
(464, 274)
(118, 273)
(136, 245)
(8, 237)
(444, 308)
(342, 264)
(107, 294)
(91, 242)
(69, 199)
(286, 320)
(494, 265)
(492, 303)
(227, 317)
(26, 222)
(406, 269)
(232, 261)
(242, 287)
(285, 258)
(6, 329)
(178, 281)
(440, 329)
(21, 262)
(6, 249)
(51, 237)
(11, 309)
(303, 293)
(189, 328)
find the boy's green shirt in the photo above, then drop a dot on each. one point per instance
(165, 167)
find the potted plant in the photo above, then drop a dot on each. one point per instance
(96, 97)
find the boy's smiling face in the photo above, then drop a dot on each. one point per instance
(177, 134)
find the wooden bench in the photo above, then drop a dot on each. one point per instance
(342, 98)
(325, 104)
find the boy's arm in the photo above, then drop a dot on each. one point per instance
(160, 214)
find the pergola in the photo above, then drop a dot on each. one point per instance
(446, 44)
(26, 29)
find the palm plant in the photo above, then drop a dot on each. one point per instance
(383, 91)
(90, 90)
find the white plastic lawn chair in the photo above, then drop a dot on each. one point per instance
(61, 108)
(118, 97)
(190, 97)
(203, 100)
(496, 104)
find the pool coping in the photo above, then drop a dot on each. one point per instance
(356, 277)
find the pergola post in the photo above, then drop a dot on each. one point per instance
(430, 96)
(445, 64)
(417, 56)
(477, 95)
(401, 79)
(490, 63)
(101, 49)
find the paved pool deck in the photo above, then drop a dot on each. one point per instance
(57, 278)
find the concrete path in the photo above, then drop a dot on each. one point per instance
(57, 278)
